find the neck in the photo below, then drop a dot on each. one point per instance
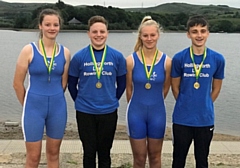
(149, 52)
(198, 50)
(100, 47)
(48, 43)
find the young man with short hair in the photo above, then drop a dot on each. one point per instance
(197, 74)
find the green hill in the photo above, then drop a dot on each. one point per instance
(171, 8)
(6, 7)
(172, 16)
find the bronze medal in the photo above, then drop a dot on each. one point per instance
(196, 85)
(148, 85)
(98, 85)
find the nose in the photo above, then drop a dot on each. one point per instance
(52, 26)
(199, 33)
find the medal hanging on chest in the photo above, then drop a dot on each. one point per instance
(100, 67)
(49, 65)
(149, 73)
(197, 70)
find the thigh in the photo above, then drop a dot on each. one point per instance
(57, 116)
(87, 129)
(139, 147)
(202, 140)
(33, 118)
(106, 128)
(155, 147)
(33, 149)
(182, 139)
(53, 146)
(137, 121)
(156, 122)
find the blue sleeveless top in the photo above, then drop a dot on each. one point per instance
(140, 93)
(38, 73)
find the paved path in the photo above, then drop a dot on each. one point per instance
(119, 146)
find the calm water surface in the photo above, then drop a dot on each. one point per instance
(226, 107)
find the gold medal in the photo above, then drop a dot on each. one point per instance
(196, 85)
(98, 85)
(148, 85)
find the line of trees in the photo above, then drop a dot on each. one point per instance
(119, 19)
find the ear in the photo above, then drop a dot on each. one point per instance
(188, 34)
(88, 33)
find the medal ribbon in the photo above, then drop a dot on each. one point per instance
(98, 69)
(197, 70)
(149, 73)
(48, 65)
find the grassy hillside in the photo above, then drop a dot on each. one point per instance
(188, 9)
(164, 8)
(6, 7)
(174, 15)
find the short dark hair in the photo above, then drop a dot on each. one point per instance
(96, 19)
(197, 20)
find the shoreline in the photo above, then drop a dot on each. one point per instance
(13, 130)
(110, 31)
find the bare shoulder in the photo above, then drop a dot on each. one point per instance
(27, 49)
(67, 53)
(168, 62)
(129, 60)
(26, 52)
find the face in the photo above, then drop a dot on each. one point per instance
(149, 36)
(50, 26)
(198, 35)
(98, 35)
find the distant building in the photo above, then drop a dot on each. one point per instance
(74, 21)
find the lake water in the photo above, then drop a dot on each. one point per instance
(227, 106)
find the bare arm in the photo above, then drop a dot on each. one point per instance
(175, 84)
(129, 86)
(216, 87)
(23, 61)
(66, 67)
(167, 82)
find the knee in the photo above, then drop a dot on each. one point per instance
(53, 154)
(140, 160)
(33, 159)
(154, 158)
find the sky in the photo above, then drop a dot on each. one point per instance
(134, 3)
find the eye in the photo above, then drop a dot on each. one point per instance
(153, 35)
(194, 32)
(145, 35)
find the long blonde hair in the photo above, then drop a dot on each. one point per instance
(146, 21)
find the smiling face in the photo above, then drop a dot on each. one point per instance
(50, 26)
(98, 35)
(198, 35)
(149, 36)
